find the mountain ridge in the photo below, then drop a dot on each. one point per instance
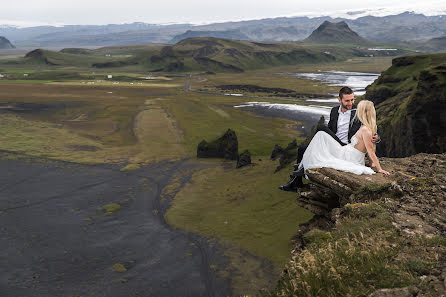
(204, 54)
(400, 27)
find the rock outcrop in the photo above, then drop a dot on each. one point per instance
(413, 196)
(410, 105)
(287, 155)
(419, 181)
(224, 147)
(243, 159)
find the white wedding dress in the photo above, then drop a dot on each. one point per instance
(324, 151)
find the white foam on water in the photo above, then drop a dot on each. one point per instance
(333, 100)
(318, 110)
(358, 81)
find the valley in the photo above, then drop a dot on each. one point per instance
(105, 141)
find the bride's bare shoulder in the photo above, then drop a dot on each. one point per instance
(365, 131)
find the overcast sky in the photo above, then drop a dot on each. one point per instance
(54, 12)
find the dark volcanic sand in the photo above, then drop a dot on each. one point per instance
(49, 248)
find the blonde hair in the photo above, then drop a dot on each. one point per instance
(367, 115)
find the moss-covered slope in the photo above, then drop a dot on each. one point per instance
(410, 100)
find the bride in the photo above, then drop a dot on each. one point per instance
(324, 151)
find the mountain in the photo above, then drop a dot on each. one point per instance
(410, 101)
(228, 34)
(92, 35)
(437, 45)
(402, 27)
(202, 54)
(392, 28)
(5, 43)
(339, 32)
(226, 55)
(223, 55)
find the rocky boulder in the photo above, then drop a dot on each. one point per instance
(277, 152)
(224, 147)
(243, 159)
(418, 178)
(287, 155)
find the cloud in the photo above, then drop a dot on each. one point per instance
(197, 11)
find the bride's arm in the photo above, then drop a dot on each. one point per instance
(367, 136)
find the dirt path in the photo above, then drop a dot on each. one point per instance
(58, 241)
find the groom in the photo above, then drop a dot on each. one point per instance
(342, 126)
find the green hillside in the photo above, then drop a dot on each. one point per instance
(230, 34)
(226, 55)
(410, 99)
(51, 58)
(436, 45)
(204, 54)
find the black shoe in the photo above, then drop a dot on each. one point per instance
(288, 188)
(299, 173)
(291, 186)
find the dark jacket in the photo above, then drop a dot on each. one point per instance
(355, 124)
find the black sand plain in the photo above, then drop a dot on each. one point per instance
(56, 240)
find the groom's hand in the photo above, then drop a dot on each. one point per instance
(375, 138)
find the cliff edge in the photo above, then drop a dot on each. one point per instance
(410, 101)
(372, 235)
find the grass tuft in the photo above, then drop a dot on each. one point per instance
(359, 256)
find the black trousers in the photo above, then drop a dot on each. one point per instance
(302, 148)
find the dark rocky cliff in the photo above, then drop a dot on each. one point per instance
(410, 101)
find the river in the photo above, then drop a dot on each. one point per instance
(309, 115)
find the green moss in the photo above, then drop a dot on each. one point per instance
(130, 167)
(111, 208)
(316, 237)
(374, 188)
(119, 268)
